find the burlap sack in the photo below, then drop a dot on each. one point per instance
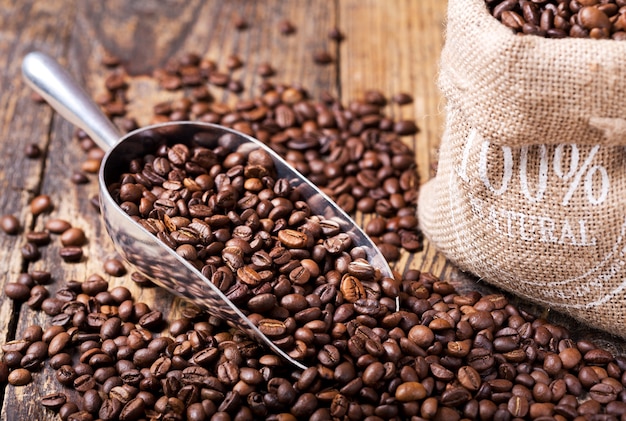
(530, 191)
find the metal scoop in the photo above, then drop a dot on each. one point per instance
(141, 248)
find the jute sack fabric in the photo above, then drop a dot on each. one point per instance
(530, 191)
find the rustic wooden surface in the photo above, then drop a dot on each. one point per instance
(390, 46)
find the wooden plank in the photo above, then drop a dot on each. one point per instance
(24, 26)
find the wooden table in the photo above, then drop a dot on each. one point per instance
(390, 46)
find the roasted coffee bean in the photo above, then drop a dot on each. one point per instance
(58, 343)
(322, 57)
(114, 267)
(17, 291)
(40, 204)
(32, 151)
(71, 253)
(30, 252)
(73, 237)
(53, 400)
(10, 224)
(19, 377)
(39, 238)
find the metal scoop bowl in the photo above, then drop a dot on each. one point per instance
(141, 248)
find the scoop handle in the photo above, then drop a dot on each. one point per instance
(44, 74)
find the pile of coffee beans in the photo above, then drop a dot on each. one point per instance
(253, 236)
(597, 19)
(355, 154)
(442, 355)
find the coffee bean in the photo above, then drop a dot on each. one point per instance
(10, 224)
(79, 177)
(265, 70)
(114, 267)
(84, 383)
(53, 400)
(71, 253)
(402, 98)
(133, 410)
(405, 128)
(17, 291)
(32, 151)
(57, 225)
(80, 416)
(94, 285)
(19, 377)
(40, 204)
(272, 328)
(30, 252)
(39, 238)
(322, 57)
(285, 27)
(293, 239)
(73, 237)
(58, 343)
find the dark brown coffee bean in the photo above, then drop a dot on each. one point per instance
(40, 204)
(57, 225)
(84, 383)
(402, 98)
(265, 70)
(598, 356)
(272, 328)
(151, 320)
(73, 237)
(293, 239)
(53, 400)
(80, 416)
(17, 291)
(114, 267)
(39, 238)
(32, 151)
(94, 285)
(322, 57)
(285, 27)
(132, 410)
(30, 252)
(10, 224)
(71, 253)
(602, 393)
(405, 127)
(305, 405)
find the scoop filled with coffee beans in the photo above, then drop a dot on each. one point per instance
(217, 217)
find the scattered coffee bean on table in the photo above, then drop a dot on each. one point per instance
(10, 224)
(32, 151)
(354, 153)
(41, 204)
